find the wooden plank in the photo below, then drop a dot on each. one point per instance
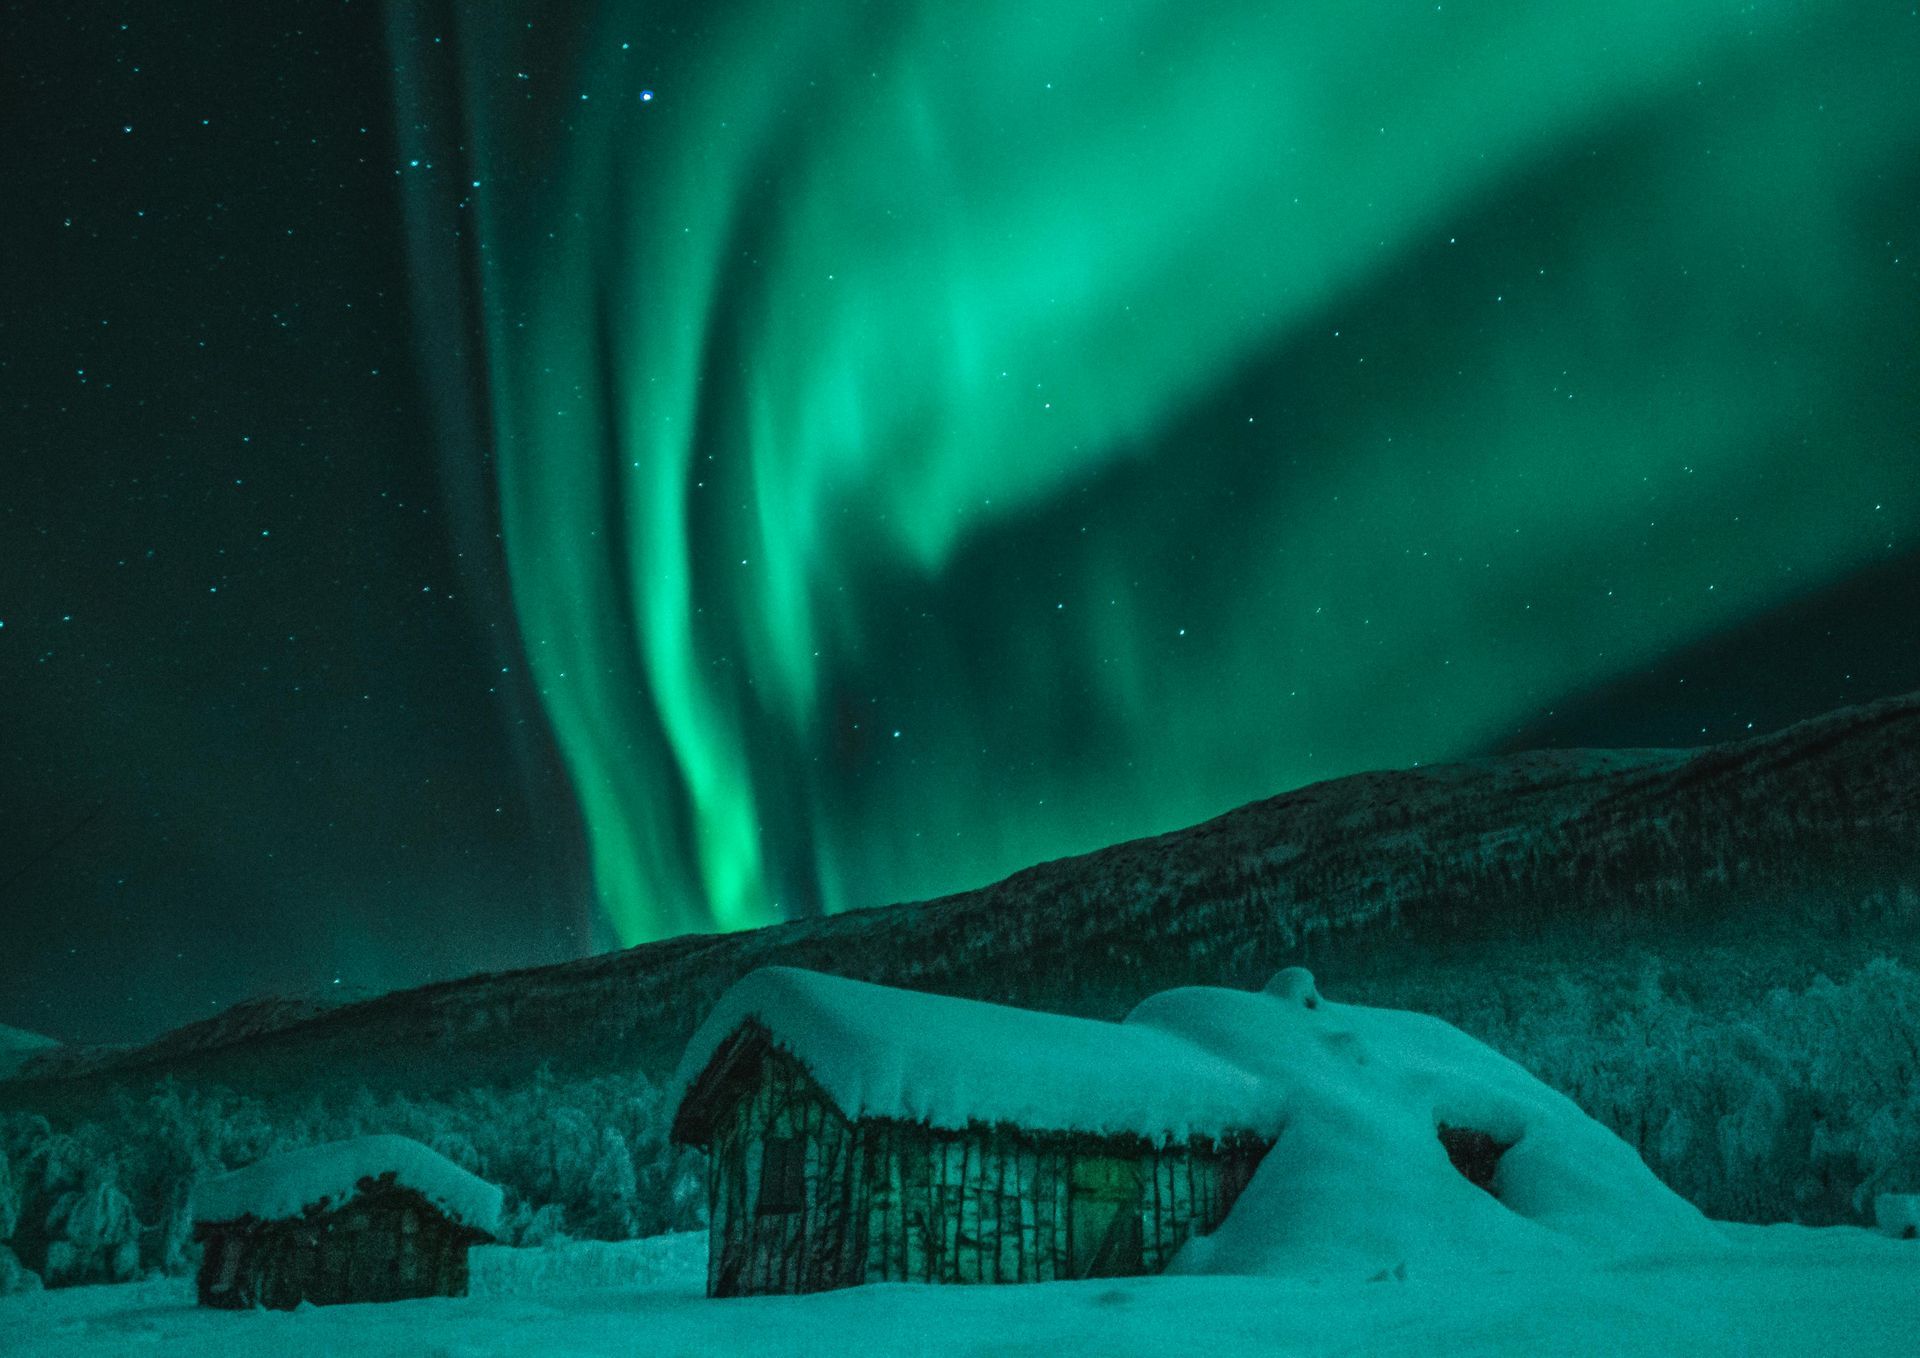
(1006, 1217)
(1020, 1207)
(913, 1177)
(930, 1206)
(877, 1242)
(968, 1245)
(954, 1158)
(1155, 1199)
(993, 1172)
(896, 1213)
(795, 1270)
(937, 1210)
(1044, 1176)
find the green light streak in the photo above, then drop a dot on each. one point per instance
(893, 370)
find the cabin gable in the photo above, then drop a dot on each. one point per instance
(783, 1180)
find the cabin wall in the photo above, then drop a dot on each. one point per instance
(993, 1204)
(985, 1205)
(901, 1202)
(1188, 1190)
(384, 1248)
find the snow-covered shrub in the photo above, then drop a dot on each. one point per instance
(537, 1226)
(15, 1277)
(614, 1189)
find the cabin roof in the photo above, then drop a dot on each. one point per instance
(881, 1052)
(328, 1176)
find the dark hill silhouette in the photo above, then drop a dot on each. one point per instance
(1810, 831)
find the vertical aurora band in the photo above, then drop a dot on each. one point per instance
(1142, 407)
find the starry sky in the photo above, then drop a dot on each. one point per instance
(482, 488)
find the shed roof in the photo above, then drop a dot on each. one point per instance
(881, 1052)
(328, 1176)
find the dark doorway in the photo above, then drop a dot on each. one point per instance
(1104, 1232)
(1475, 1154)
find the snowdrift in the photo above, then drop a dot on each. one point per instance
(1359, 1177)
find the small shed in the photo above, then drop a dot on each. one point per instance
(375, 1218)
(859, 1133)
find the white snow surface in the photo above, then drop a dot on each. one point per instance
(1357, 1182)
(906, 1055)
(329, 1175)
(1358, 1178)
(1773, 1292)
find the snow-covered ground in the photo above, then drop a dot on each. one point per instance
(1779, 1290)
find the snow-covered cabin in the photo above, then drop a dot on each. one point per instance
(858, 1133)
(375, 1218)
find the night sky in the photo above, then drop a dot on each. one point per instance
(479, 490)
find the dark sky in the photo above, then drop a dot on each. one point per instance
(259, 732)
(909, 461)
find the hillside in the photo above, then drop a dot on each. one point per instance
(1811, 830)
(17, 1045)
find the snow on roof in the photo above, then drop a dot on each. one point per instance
(330, 1175)
(905, 1055)
(1358, 1177)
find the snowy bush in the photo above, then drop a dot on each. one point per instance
(15, 1277)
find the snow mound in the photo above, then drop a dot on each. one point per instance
(1359, 1178)
(912, 1057)
(678, 1260)
(330, 1175)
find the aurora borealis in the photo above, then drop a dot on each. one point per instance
(935, 438)
(488, 484)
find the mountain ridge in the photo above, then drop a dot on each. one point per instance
(1820, 815)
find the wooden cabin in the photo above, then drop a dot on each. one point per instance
(858, 1133)
(378, 1218)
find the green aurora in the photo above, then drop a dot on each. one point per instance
(932, 438)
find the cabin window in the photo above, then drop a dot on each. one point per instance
(783, 1175)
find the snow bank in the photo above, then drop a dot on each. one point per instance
(677, 1261)
(327, 1176)
(1359, 1179)
(901, 1054)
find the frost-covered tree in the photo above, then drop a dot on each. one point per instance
(93, 1234)
(612, 1189)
